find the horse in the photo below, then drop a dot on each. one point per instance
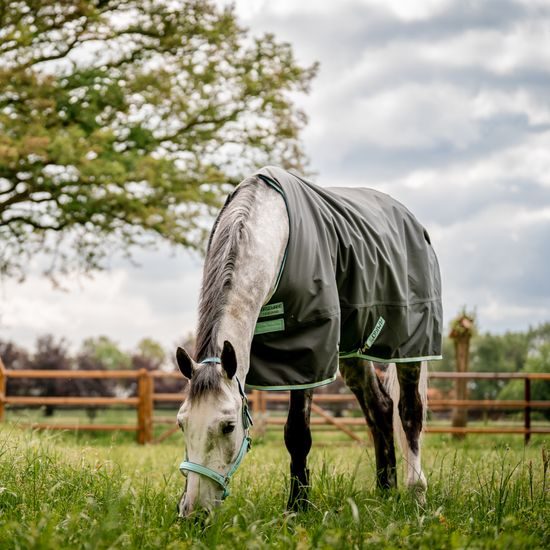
(299, 281)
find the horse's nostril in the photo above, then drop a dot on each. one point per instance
(182, 508)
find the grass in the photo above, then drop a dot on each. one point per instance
(62, 491)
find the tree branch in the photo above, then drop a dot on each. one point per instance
(10, 190)
(69, 47)
(196, 121)
(14, 199)
(36, 224)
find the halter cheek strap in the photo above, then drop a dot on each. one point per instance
(223, 480)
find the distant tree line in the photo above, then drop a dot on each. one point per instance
(99, 353)
(527, 351)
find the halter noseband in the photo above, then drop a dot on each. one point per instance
(223, 480)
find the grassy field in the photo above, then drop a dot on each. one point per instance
(60, 491)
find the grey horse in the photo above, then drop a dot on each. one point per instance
(297, 281)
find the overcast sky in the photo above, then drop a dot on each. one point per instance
(443, 104)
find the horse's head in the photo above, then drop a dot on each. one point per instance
(215, 421)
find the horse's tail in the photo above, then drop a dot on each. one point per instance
(391, 382)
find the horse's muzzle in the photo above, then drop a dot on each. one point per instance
(185, 507)
(187, 511)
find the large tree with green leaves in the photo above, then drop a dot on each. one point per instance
(123, 120)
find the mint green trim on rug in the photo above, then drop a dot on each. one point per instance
(359, 355)
(295, 387)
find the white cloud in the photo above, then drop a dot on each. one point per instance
(526, 161)
(126, 304)
(490, 103)
(495, 262)
(423, 116)
(412, 10)
(495, 312)
(413, 115)
(415, 10)
(501, 51)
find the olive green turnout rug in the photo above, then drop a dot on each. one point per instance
(359, 279)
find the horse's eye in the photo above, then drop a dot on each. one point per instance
(228, 428)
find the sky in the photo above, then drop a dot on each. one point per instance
(443, 104)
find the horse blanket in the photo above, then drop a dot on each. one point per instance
(359, 279)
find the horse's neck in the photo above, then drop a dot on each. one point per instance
(256, 271)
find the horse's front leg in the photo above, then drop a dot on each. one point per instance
(298, 443)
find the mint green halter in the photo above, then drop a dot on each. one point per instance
(223, 480)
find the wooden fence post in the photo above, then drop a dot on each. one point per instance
(259, 412)
(527, 412)
(145, 407)
(3, 384)
(253, 402)
(462, 329)
(263, 424)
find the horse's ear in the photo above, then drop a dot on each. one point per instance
(185, 363)
(229, 360)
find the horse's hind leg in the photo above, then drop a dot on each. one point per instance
(412, 386)
(377, 406)
(298, 443)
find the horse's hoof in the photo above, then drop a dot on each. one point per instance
(299, 485)
(418, 491)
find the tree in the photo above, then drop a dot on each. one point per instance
(16, 358)
(497, 353)
(124, 120)
(95, 355)
(104, 353)
(52, 355)
(150, 355)
(538, 361)
(539, 335)
(446, 364)
(98, 354)
(13, 356)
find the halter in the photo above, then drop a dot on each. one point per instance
(223, 480)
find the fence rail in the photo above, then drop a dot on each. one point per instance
(146, 398)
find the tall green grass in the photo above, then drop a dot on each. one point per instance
(57, 491)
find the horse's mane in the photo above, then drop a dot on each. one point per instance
(228, 234)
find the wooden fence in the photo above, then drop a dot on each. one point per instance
(144, 403)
